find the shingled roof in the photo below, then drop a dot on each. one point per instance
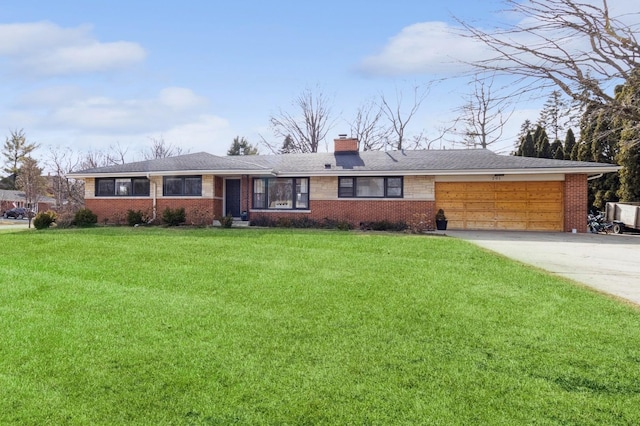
(432, 162)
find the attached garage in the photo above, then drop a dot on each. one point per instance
(526, 206)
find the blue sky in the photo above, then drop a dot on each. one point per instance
(87, 75)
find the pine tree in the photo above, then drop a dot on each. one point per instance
(554, 114)
(569, 143)
(528, 146)
(541, 142)
(16, 149)
(557, 151)
(240, 146)
(629, 153)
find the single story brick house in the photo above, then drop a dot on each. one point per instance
(12, 198)
(477, 188)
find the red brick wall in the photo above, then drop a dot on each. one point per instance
(356, 211)
(575, 203)
(114, 210)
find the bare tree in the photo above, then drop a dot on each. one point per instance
(573, 46)
(94, 159)
(66, 191)
(306, 128)
(367, 127)
(31, 181)
(484, 115)
(161, 149)
(400, 115)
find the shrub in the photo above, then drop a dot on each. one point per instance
(261, 220)
(85, 217)
(135, 217)
(65, 218)
(44, 220)
(383, 225)
(173, 217)
(420, 223)
(342, 225)
(226, 221)
(199, 217)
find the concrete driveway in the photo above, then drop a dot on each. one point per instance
(608, 263)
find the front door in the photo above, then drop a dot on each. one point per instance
(232, 197)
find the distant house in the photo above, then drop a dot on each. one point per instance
(10, 199)
(478, 189)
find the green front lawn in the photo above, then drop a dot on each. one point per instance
(248, 326)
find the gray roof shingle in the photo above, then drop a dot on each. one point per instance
(409, 162)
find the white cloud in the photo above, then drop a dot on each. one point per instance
(427, 47)
(171, 107)
(180, 98)
(67, 116)
(46, 49)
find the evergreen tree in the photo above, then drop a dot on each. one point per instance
(557, 151)
(599, 142)
(569, 143)
(629, 153)
(554, 115)
(16, 149)
(541, 142)
(240, 146)
(288, 146)
(528, 146)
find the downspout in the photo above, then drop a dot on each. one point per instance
(154, 187)
(595, 177)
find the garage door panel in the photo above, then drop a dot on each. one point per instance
(518, 206)
(508, 196)
(502, 205)
(512, 225)
(451, 205)
(549, 196)
(510, 186)
(476, 206)
(511, 216)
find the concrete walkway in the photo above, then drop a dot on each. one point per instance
(608, 263)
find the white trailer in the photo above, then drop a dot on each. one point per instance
(627, 214)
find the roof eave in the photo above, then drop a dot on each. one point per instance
(474, 172)
(81, 175)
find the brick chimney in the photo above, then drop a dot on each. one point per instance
(344, 145)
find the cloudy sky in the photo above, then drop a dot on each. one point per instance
(196, 73)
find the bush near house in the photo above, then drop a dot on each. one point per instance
(44, 220)
(84, 218)
(174, 217)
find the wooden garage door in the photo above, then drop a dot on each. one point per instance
(530, 206)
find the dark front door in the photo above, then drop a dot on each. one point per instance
(232, 197)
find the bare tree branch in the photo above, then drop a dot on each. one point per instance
(367, 127)
(399, 116)
(308, 127)
(484, 114)
(572, 45)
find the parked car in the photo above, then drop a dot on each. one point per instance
(19, 213)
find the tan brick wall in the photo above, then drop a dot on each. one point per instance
(576, 203)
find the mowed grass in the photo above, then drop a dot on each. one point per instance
(248, 326)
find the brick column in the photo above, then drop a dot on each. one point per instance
(576, 202)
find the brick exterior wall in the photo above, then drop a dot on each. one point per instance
(357, 211)
(576, 202)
